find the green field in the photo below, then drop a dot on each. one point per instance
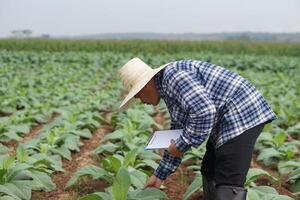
(61, 137)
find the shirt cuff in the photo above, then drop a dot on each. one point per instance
(181, 145)
(167, 165)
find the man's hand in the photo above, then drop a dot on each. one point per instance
(153, 182)
(173, 150)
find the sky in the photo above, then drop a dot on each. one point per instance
(83, 17)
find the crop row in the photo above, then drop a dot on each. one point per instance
(156, 47)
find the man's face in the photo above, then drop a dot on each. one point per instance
(149, 94)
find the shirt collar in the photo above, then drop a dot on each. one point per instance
(158, 82)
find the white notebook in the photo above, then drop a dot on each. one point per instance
(162, 139)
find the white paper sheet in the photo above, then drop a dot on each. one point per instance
(161, 139)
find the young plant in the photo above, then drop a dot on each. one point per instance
(121, 190)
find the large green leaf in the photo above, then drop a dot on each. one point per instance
(85, 133)
(145, 155)
(22, 155)
(6, 197)
(41, 181)
(5, 190)
(296, 186)
(138, 178)
(52, 162)
(285, 167)
(255, 173)
(93, 171)
(18, 171)
(266, 155)
(295, 174)
(193, 187)
(20, 128)
(7, 162)
(20, 188)
(3, 149)
(130, 158)
(281, 197)
(97, 196)
(63, 151)
(109, 147)
(252, 195)
(147, 194)
(279, 138)
(72, 142)
(118, 134)
(263, 190)
(112, 163)
(265, 193)
(150, 163)
(13, 135)
(91, 197)
(121, 184)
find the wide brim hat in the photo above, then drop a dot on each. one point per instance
(135, 74)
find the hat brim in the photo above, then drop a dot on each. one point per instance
(129, 99)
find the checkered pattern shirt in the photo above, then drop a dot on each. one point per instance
(205, 100)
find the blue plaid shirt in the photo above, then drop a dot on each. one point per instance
(207, 100)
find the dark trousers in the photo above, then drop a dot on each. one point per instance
(229, 164)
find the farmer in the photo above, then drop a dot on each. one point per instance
(206, 101)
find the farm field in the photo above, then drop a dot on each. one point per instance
(61, 136)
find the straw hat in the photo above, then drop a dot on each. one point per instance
(135, 74)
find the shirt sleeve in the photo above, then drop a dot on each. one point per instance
(187, 91)
(167, 165)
